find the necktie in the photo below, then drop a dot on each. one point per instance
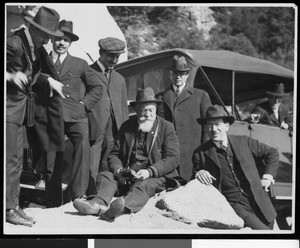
(176, 93)
(106, 73)
(58, 64)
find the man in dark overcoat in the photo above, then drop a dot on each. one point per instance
(143, 164)
(182, 105)
(106, 117)
(33, 98)
(233, 164)
(273, 112)
(82, 91)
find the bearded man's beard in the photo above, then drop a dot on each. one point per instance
(146, 124)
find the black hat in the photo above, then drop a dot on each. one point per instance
(144, 96)
(215, 112)
(67, 28)
(179, 64)
(47, 20)
(278, 90)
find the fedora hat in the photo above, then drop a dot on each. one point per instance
(47, 20)
(145, 96)
(215, 112)
(278, 90)
(179, 64)
(67, 28)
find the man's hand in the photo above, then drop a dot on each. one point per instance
(205, 177)
(254, 118)
(120, 178)
(284, 125)
(266, 184)
(55, 85)
(142, 174)
(19, 78)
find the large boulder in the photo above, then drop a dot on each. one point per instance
(200, 204)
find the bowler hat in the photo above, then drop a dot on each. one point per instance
(47, 20)
(278, 90)
(67, 28)
(215, 112)
(179, 64)
(112, 45)
(145, 96)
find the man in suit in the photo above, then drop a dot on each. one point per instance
(273, 112)
(182, 105)
(82, 91)
(27, 76)
(144, 163)
(233, 164)
(106, 117)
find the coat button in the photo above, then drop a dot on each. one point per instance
(67, 85)
(67, 96)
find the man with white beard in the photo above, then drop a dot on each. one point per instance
(143, 164)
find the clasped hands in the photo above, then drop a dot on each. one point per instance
(124, 174)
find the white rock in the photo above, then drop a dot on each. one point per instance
(200, 204)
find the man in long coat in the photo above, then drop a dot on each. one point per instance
(182, 105)
(149, 150)
(82, 91)
(106, 117)
(233, 164)
(27, 75)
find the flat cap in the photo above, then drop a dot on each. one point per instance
(112, 45)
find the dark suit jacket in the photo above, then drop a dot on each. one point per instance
(114, 90)
(80, 84)
(48, 130)
(164, 156)
(268, 117)
(247, 151)
(191, 104)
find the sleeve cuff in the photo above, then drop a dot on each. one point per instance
(153, 170)
(269, 177)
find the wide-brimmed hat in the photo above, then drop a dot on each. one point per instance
(47, 20)
(145, 96)
(179, 64)
(112, 45)
(215, 112)
(278, 90)
(67, 28)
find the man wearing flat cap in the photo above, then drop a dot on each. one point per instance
(182, 105)
(273, 112)
(111, 111)
(82, 91)
(240, 167)
(143, 163)
(33, 99)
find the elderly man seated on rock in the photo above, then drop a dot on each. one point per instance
(143, 164)
(231, 164)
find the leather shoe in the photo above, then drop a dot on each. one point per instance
(13, 217)
(94, 206)
(20, 211)
(117, 208)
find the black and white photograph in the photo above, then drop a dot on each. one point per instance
(152, 119)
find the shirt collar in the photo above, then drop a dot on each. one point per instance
(102, 67)
(62, 57)
(180, 87)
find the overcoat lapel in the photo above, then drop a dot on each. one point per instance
(168, 98)
(236, 147)
(130, 138)
(186, 93)
(150, 136)
(100, 73)
(211, 154)
(67, 64)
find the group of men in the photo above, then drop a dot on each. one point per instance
(175, 136)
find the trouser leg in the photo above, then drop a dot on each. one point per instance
(106, 186)
(142, 191)
(248, 212)
(78, 135)
(14, 162)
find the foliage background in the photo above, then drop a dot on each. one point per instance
(262, 32)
